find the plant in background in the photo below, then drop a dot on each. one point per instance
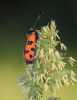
(48, 71)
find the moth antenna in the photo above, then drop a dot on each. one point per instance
(38, 18)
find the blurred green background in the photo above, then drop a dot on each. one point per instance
(15, 20)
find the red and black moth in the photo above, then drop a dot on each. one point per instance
(29, 51)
